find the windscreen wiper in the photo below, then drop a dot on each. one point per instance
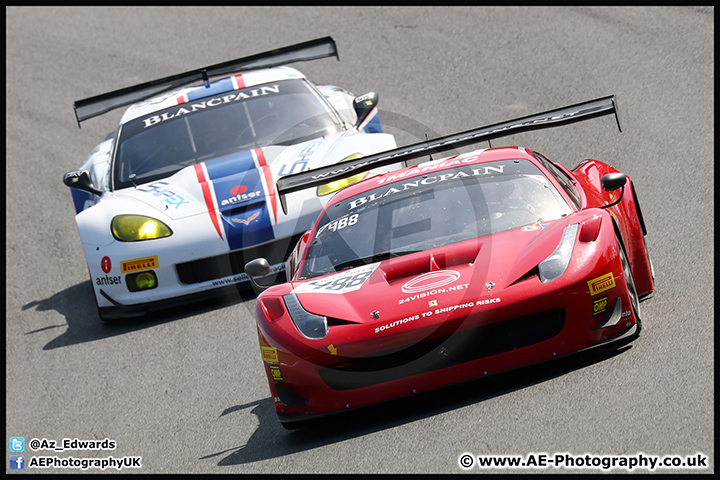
(378, 257)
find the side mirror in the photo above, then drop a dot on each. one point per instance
(80, 179)
(611, 182)
(258, 267)
(363, 105)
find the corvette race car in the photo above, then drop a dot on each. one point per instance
(451, 270)
(173, 203)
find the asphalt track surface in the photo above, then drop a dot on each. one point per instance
(186, 391)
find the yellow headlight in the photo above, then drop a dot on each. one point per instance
(333, 187)
(133, 228)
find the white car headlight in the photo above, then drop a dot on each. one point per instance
(556, 263)
(135, 228)
(337, 185)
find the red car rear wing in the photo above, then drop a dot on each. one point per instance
(301, 52)
(552, 118)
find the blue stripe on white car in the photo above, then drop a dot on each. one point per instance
(220, 86)
(240, 197)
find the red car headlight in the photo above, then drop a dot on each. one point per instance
(556, 263)
(308, 324)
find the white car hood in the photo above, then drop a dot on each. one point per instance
(230, 182)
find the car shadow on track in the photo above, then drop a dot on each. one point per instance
(271, 440)
(77, 305)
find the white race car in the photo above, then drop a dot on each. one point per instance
(172, 204)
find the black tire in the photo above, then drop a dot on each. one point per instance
(644, 238)
(632, 291)
(102, 317)
(652, 270)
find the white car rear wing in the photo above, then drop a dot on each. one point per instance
(301, 52)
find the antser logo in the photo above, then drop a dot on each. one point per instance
(239, 197)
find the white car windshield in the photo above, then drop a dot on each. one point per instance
(432, 210)
(280, 113)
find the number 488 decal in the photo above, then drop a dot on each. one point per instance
(343, 222)
(345, 281)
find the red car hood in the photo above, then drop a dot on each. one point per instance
(440, 278)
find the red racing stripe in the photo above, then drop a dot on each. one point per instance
(239, 81)
(260, 155)
(208, 196)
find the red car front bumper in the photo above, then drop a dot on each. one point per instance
(472, 341)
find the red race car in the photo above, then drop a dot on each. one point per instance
(451, 270)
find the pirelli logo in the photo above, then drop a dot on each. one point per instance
(601, 284)
(130, 266)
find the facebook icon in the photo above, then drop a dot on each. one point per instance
(17, 462)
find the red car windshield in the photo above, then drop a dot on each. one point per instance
(432, 210)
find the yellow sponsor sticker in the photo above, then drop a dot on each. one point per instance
(601, 284)
(269, 354)
(600, 305)
(138, 264)
(276, 373)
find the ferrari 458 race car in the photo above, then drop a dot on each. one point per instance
(451, 270)
(173, 203)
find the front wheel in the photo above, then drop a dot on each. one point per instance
(652, 271)
(632, 291)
